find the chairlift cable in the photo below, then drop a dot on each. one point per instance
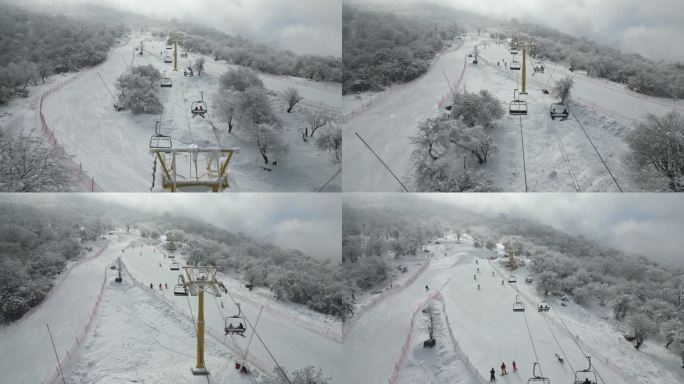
(529, 332)
(261, 340)
(575, 181)
(522, 144)
(329, 180)
(557, 343)
(590, 141)
(577, 344)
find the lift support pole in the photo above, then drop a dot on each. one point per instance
(200, 369)
(175, 51)
(524, 70)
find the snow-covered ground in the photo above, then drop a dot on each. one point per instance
(488, 332)
(113, 146)
(554, 151)
(145, 335)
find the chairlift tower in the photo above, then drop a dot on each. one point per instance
(524, 44)
(174, 38)
(197, 280)
(181, 171)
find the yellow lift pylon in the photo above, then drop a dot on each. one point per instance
(174, 38)
(524, 44)
(198, 279)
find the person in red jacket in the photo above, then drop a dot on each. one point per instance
(515, 367)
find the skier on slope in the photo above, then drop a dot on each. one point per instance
(492, 375)
(515, 367)
(474, 277)
(427, 288)
(478, 287)
(151, 286)
(492, 273)
(503, 369)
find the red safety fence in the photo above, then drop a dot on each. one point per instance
(219, 336)
(386, 293)
(396, 370)
(83, 176)
(456, 346)
(377, 97)
(66, 272)
(87, 181)
(69, 353)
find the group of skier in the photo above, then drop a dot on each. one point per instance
(492, 372)
(161, 286)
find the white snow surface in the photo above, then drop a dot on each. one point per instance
(113, 146)
(606, 110)
(137, 336)
(489, 332)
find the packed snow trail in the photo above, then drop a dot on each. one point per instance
(137, 338)
(388, 128)
(114, 146)
(373, 344)
(489, 332)
(292, 346)
(559, 156)
(27, 354)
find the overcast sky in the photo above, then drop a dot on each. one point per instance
(653, 28)
(648, 224)
(309, 222)
(302, 26)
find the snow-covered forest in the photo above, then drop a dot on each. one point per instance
(240, 51)
(382, 48)
(641, 297)
(35, 46)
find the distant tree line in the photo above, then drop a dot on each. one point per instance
(640, 74)
(35, 245)
(36, 46)
(381, 48)
(259, 57)
(291, 275)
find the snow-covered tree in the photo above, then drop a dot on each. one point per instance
(225, 105)
(475, 109)
(291, 97)
(199, 66)
(240, 79)
(563, 89)
(306, 375)
(29, 164)
(269, 141)
(331, 140)
(657, 144)
(641, 327)
(316, 118)
(139, 90)
(431, 322)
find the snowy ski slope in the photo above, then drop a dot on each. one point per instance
(113, 146)
(147, 335)
(489, 332)
(558, 155)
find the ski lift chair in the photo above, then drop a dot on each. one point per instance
(518, 306)
(512, 279)
(515, 65)
(169, 46)
(174, 267)
(539, 67)
(168, 59)
(240, 322)
(585, 376)
(543, 307)
(184, 54)
(514, 51)
(517, 107)
(158, 140)
(199, 108)
(166, 82)
(559, 110)
(179, 290)
(537, 379)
